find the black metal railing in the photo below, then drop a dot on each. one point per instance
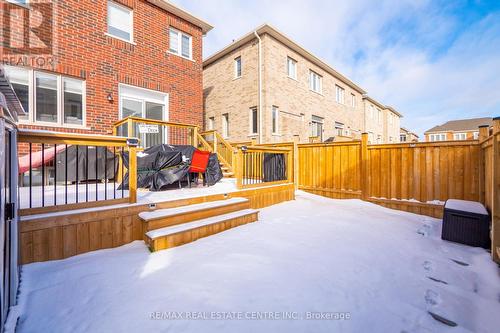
(261, 166)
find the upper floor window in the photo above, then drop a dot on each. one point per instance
(315, 82)
(237, 67)
(379, 116)
(460, 136)
(340, 94)
(353, 100)
(291, 67)
(437, 137)
(19, 2)
(391, 116)
(476, 135)
(402, 138)
(48, 98)
(120, 21)
(180, 43)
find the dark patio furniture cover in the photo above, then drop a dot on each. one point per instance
(214, 172)
(68, 166)
(274, 167)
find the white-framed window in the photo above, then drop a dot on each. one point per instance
(315, 82)
(459, 136)
(254, 123)
(23, 3)
(372, 111)
(476, 135)
(143, 103)
(437, 137)
(291, 68)
(120, 21)
(317, 127)
(353, 100)
(339, 94)
(379, 116)
(402, 138)
(49, 99)
(275, 119)
(339, 128)
(391, 117)
(211, 123)
(237, 67)
(225, 125)
(181, 43)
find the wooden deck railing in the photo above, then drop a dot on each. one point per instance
(258, 166)
(151, 132)
(223, 149)
(69, 171)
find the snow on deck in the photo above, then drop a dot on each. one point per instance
(225, 185)
(382, 269)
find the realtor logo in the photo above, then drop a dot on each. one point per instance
(27, 29)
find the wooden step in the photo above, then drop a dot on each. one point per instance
(173, 236)
(228, 174)
(171, 216)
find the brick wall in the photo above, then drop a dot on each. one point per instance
(82, 49)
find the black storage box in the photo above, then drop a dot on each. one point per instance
(466, 222)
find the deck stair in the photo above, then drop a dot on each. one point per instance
(166, 228)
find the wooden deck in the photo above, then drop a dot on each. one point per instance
(64, 234)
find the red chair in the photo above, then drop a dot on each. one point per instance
(199, 163)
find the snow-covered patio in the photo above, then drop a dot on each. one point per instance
(380, 270)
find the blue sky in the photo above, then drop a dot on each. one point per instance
(432, 60)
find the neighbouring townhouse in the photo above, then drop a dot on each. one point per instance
(381, 122)
(405, 135)
(110, 60)
(462, 129)
(266, 87)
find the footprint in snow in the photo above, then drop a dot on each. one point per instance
(428, 266)
(437, 280)
(461, 263)
(425, 230)
(432, 298)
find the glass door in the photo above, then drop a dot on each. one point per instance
(154, 111)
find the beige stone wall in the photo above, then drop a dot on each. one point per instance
(223, 93)
(374, 123)
(297, 103)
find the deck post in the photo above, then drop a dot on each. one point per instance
(495, 207)
(215, 142)
(238, 170)
(130, 128)
(484, 132)
(364, 165)
(132, 174)
(195, 136)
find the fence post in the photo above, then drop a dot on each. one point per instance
(364, 166)
(484, 132)
(238, 171)
(132, 174)
(296, 162)
(495, 208)
(195, 137)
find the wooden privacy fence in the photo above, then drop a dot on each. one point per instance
(414, 177)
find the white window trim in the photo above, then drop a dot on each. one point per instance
(211, 123)
(475, 135)
(25, 5)
(236, 76)
(225, 121)
(339, 92)
(353, 100)
(457, 136)
(287, 68)
(179, 44)
(60, 101)
(250, 123)
(131, 41)
(320, 82)
(277, 132)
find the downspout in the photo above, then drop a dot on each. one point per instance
(260, 86)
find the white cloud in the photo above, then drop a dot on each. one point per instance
(411, 54)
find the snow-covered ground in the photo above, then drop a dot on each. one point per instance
(377, 269)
